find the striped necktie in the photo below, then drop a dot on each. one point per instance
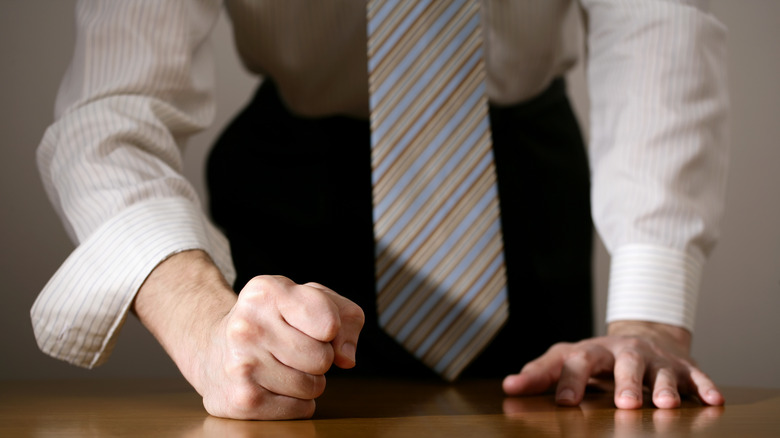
(441, 283)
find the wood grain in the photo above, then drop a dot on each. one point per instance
(368, 408)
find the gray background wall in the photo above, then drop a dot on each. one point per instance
(738, 323)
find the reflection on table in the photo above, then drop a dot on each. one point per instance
(369, 408)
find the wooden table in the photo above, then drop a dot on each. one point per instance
(367, 408)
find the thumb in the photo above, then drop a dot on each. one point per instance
(345, 343)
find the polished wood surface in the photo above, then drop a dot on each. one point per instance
(368, 408)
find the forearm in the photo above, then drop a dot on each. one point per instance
(180, 303)
(111, 164)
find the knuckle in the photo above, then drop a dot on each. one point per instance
(327, 317)
(241, 330)
(560, 347)
(239, 367)
(325, 326)
(259, 286)
(290, 410)
(630, 380)
(666, 374)
(314, 285)
(580, 355)
(630, 355)
(637, 343)
(662, 371)
(253, 402)
(331, 324)
(354, 314)
(531, 367)
(311, 386)
(321, 307)
(247, 399)
(255, 294)
(633, 343)
(629, 375)
(258, 282)
(305, 409)
(321, 359)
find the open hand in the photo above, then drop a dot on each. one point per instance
(634, 353)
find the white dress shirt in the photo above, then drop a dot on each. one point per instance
(142, 81)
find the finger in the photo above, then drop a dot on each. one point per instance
(586, 360)
(296, 350)
(252, 402)
(538, 375)
(309, 310)
(351, 319)
(283, 380)
(664, 387)
(629, 373)
(705, 388)
(272, 340)
(303, 307)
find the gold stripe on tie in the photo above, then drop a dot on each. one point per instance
(441, 282)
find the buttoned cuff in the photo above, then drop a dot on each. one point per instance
(654, 283)
(79, 313)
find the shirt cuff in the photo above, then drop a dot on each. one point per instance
(79, 313)
(654, 283)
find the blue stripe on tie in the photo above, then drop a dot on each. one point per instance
(442, 251)
(412, 57)
(446, 248)
(382, 167)
(437, 332)
(420, 87)
(480, 322)
(429, 227)
(383, 204)
(410, 176)
(448, 283)
(381, 15)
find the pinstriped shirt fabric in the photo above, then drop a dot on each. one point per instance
(142, 80)
(439, 259)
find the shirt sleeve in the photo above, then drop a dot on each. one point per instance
(139, 84)
(659, 150)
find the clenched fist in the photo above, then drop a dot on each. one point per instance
(262, 355)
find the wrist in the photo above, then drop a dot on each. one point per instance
(182, 303)
(653, 331)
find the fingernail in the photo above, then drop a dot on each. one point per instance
(566, 395)
(629, 394)
(348, 349)
(666, 393)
